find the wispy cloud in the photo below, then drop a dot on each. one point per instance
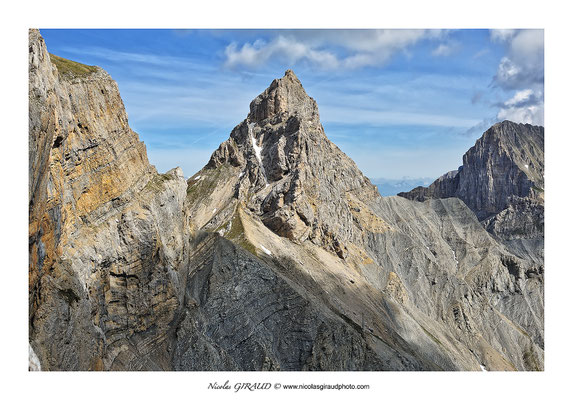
(146, 58)
(395, 163)
(346, 49)
(220, 102)
(445, 49)
(480, 54)
(477, 96)
(285, 48)
(479, 128)
(375, 117)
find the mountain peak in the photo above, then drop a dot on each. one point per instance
(290, 72)
(506, 164)
(283, 98)
(284, 169)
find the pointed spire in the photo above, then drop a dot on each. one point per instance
(284, 97)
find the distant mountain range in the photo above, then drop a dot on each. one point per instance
(391, 187)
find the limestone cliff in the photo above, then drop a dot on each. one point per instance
(278, 255)
(502, 181)
(505, 165)
(104, 226)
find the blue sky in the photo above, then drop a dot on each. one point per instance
(399, 102)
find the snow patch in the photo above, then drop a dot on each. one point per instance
(455, 259)
(214, 210)
(266, 250)
(483, 368)
(258, 149)
(241, 174)
(33, 360)
(197, 177)
(526, 166)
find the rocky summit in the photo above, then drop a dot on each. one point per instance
(279, 254)
(502, 182)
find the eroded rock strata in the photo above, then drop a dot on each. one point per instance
(278, 255)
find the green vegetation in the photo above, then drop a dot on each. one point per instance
(237, 235)
(538, 189)
(71, 69)
(435, 339)
(530, 360)
(200, 188)
(156, 184)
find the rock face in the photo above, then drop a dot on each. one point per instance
(105, 228)
(505, 165)
(278, 255)
(289, 173)
(444, 275)
(502, 182)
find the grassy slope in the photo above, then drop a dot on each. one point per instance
(70, 68)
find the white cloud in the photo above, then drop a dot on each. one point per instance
(527, 43)
(507, 70)
(386, 40)
(526, 106)
(259, 52)
(480, 53)
(519, 98)
(532, 114)
(445, 49)
(502, 35)
(442, 50)
(523, 65)
(521, 71)
(362, 47)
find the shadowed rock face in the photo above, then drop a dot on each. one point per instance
(506, 163)
(278, 255)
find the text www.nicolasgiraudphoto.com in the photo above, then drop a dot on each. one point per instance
(326, 386)
(256, 386)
